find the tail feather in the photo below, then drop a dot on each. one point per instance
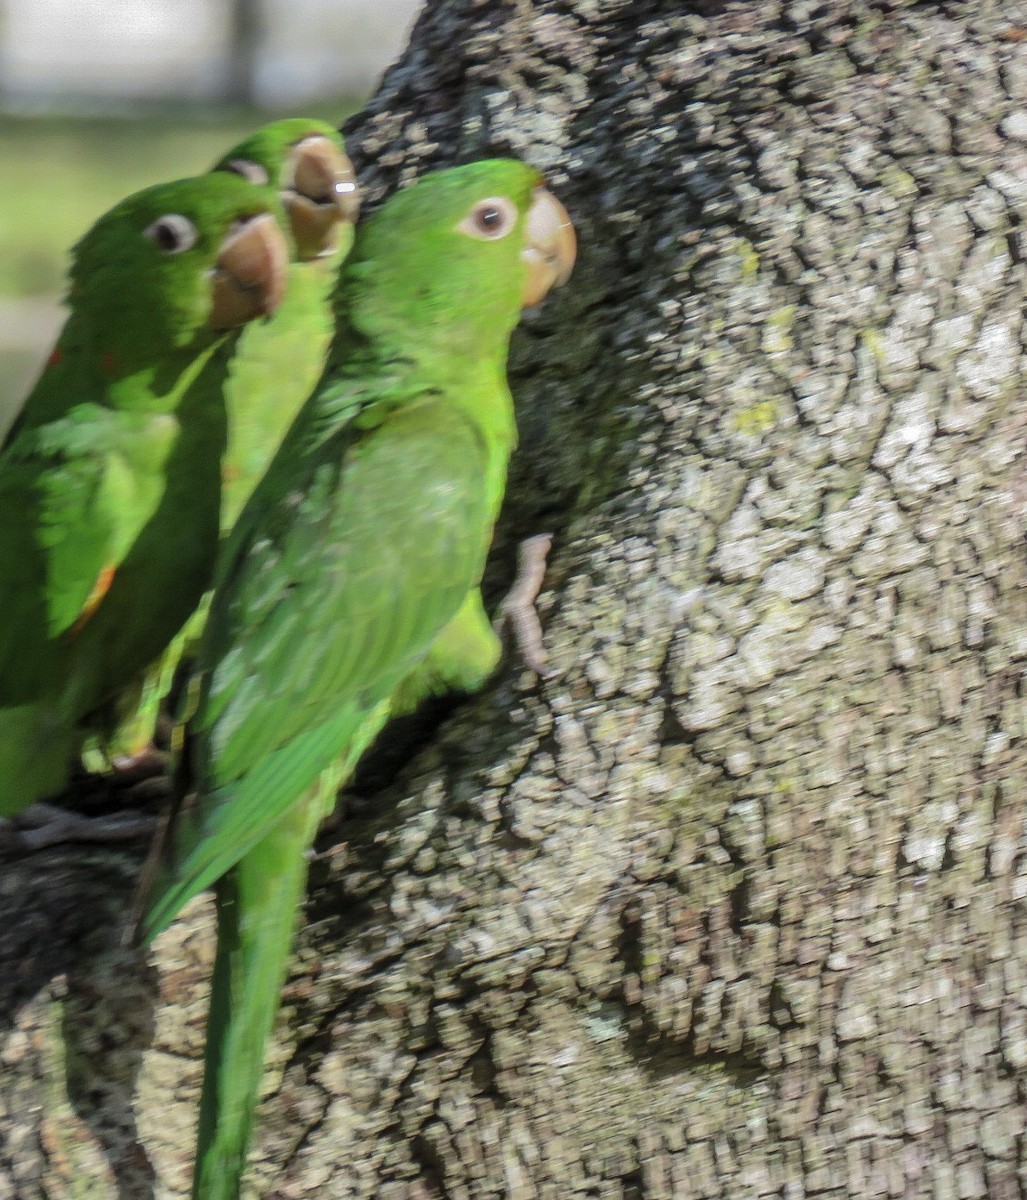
(205, 840)
(257, 903)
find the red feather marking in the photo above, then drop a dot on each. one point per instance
(109, 362)
(93, 600)
(55, 357)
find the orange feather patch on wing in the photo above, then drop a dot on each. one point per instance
(93, 600)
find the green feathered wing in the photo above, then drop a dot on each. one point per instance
(85, 488)
(306, 632)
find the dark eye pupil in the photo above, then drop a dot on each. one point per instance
(490, 218)
(172, 233)
(165, 236)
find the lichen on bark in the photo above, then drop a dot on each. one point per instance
(734, 905)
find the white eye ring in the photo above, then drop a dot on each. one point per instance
(248, 169)
(172, 233)
(490, 219)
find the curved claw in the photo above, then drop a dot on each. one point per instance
(517, 608)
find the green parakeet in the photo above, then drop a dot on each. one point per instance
(467, 650)
(364, 541)
(110, 477)
(277, 362)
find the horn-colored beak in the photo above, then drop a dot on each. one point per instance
(320, 197)
(550, 247)
(249, 273)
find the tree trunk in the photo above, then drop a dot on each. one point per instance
(245, 27)
(733, 906)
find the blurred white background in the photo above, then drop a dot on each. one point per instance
(272, 53)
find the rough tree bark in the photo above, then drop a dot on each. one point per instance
(734, 905)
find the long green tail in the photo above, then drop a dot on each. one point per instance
(258, 905)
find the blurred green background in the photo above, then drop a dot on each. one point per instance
(57, 175)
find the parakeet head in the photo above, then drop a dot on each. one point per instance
(172, 266)
(304, 161)
(461, 251)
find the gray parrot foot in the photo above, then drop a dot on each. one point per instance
(133, 769)
(43, 825)
(517, 609)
